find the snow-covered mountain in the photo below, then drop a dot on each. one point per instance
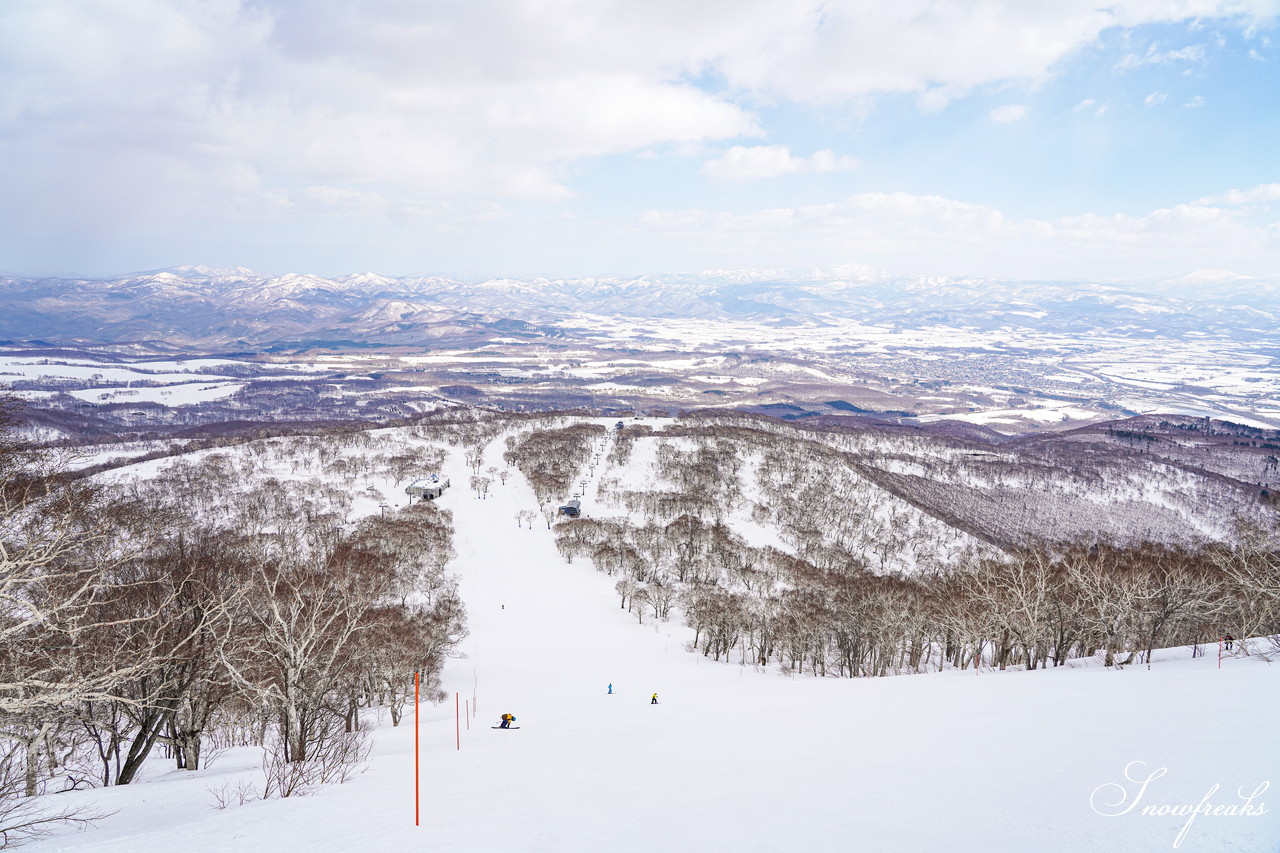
(236, 307)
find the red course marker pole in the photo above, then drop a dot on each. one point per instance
(416, 800)
(457, 720)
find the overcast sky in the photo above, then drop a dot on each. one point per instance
(1014, 138)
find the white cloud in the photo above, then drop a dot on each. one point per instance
(1195, 101)
(340, 93)
(133, 113)
(1009, 113)
(1191, 53)
(822, 53)
(771, 161)
(1155, 99)
(903, 231)
(1085, 104)
(934, 99)
(1261, 194)
(491, 96)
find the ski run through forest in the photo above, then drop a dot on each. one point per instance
(735, 756)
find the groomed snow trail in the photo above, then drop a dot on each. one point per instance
(733, 759)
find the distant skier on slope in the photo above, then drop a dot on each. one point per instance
(1227, 641)
(655, 699)
(507, 720)
(611, 687)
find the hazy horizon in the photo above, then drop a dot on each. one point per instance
(1168, 286)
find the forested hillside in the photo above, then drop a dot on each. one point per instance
(205, 602)
(866, 552)
(176, 600)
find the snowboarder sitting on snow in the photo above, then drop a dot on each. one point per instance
(507, 720)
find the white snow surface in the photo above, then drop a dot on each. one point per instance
(185, 394)
(734, 758)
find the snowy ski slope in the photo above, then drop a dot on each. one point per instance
(734, 759)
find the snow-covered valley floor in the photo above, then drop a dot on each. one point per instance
(735, 759)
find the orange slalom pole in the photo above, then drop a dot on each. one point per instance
(416, 798)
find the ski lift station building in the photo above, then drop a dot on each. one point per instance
(427, 488)
(572, 508)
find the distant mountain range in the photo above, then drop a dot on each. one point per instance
(238, 309)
